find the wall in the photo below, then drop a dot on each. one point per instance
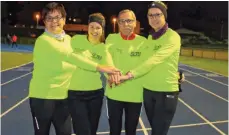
(205, 53)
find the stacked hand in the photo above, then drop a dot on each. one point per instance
(117, 78)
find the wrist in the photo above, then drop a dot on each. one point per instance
(98, 67)
(129, 75)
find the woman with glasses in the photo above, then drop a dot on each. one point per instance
(54, 63)
(159, 70)
(85, 95)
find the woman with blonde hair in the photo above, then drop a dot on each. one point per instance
(85, 95)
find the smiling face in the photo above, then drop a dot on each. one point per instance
(95, 30)
(54, 22)
(156, 18)
(126, 23)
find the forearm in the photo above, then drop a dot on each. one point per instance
(82, 62)
(157, 58)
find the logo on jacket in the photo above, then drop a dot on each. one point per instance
(135, 54)
(157, 47)
(96, 56)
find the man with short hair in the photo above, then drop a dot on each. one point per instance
(125, 51)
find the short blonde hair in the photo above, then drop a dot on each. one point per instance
(126, 11)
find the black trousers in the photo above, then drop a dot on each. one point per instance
(14, 43)
(47, 111)
(85, 108)
(115, 112)
(160, 108)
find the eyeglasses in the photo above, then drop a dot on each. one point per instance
(50, 19)
(155, 16)
(123, 21)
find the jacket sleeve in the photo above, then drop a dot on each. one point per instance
(158, 57)
(64, 54)
(107, 57)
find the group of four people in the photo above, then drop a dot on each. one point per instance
(66, 86)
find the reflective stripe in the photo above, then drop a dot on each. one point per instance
(107, 109)
(36, 122)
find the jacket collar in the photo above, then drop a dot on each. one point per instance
(130, 37)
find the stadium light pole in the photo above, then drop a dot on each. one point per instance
(37, 18)
(114, 23)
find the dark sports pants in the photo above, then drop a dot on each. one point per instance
(85, 108)
(47, 111)
(115, 113)
(160, 108)
(14, 43)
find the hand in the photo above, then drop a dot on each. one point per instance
(118, 78)
(126, 77)
(114, 78)
(107, 69)
(182, 78)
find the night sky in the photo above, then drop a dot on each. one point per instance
(23, 12)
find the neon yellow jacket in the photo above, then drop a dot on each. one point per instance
(126, 55)
(53, 67)
(159, 71)
(84, 80)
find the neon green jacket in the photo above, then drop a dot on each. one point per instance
(126, 55)
(159, 71)
(53, 67)
(83, 80)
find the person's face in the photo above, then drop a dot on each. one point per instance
(95, 30)
(156, 18)
(54, 22)
(126, 23)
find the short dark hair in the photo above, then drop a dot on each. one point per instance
(50, 7)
